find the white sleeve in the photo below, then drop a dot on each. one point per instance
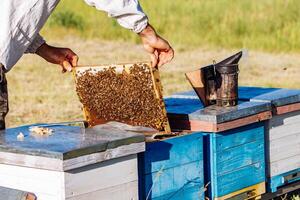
(35, 44)
(128, 13)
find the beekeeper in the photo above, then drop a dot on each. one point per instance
(21, 22)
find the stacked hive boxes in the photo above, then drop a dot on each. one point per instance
(234, 161)
(282, 134)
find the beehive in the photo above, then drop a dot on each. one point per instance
(172, 168)
(282, 134)
(129, 93)
(234, 140)
(73, 163)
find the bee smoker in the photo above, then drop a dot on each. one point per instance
(217, 83)
(227, 81)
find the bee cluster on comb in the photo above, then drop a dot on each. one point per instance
(125, 94)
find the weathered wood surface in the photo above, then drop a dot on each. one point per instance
(278, 97)
(287, 108)
(192, 109)
(284, 165)
(69, 147)
(162, 165)
(232, 156)
(196, 125)
(125, 191)
(115, 178)
(283, 143)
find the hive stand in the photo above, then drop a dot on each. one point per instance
(73, 163)
(234, 161)
(282, 135)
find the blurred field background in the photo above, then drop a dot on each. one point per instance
(199, 30)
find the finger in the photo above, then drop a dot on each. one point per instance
(154, 58)
(67, 66)
(74, 60)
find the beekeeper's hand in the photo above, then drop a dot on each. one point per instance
(160, 50)
(64, 57)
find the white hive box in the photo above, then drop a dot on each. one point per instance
(74, 163)
(282, 134)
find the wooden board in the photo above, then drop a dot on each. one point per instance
(284, 165)
(157, 89)
(162, 165)
(186, 112)
(116, 178)
(283, 143)
(231, 156)
(283, 100)
(197, 125)
(124, 191)
(69, 147)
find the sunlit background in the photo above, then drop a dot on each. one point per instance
(201, 31)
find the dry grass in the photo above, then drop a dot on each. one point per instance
(38, 92)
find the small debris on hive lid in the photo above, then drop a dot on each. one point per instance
(20, 136)
(126, 96)
(41, 131)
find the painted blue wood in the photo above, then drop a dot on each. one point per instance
(278, 181)
(182, 106)
(276, 96)
(239, 151)
(233, 163)
(173, 180)
(172, 166)
(232, 138)
(172, 152)
(247, 93)
(242, 178)
(235, 158)
(191, 193)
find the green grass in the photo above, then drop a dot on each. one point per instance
(269, 25)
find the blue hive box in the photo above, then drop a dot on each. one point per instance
(172, 169)
(234, 142)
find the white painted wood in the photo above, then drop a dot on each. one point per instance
(120, 192)
(99, 176)
(114, 178)
(48, 185)
(283, 131)
(285, 165)
(284, 143)
(60, 165)
(121, 151)
(283, 152)
(31, 161)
